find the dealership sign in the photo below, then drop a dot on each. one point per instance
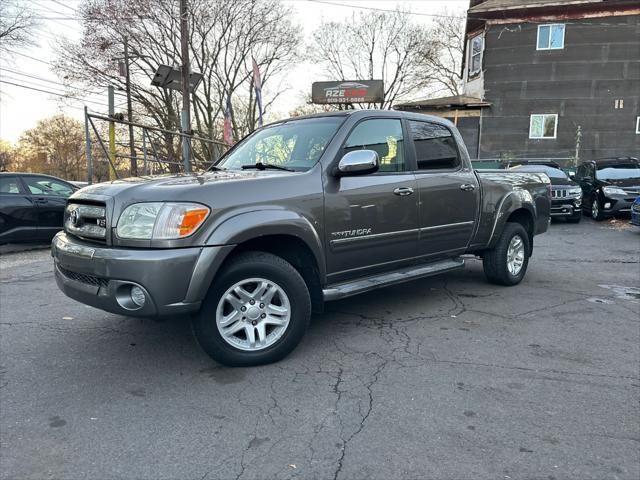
(358, 91)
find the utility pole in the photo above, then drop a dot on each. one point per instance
(185, 116)
(132, 147)
(87, 135)
(112, 136)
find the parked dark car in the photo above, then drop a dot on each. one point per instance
(566, 195)
(31, 206)
(635, 212)
(609, 186)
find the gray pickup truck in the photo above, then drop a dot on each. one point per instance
(300, 212)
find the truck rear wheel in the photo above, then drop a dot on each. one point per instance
(256, 312)
(506, 263)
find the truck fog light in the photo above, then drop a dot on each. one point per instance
(607, 205)
(137, 296)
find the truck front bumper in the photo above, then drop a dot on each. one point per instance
(173, 281)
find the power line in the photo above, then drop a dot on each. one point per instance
(29, 56)
(54, 87)
(36, 77)
(52, 93)
(63, 5)
(440, 15)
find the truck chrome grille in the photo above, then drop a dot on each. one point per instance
(87, 221)
(84, 278)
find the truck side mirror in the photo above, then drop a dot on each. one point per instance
(358, 162)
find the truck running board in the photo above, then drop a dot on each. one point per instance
(347, 289)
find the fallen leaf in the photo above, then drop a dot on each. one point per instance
(291, 465)
(67, 318)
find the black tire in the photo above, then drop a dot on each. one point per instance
(596, 209)
(575, 219)
(249, 265)
(495, 262)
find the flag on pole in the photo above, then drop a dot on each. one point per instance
(227, 131)
(257, 85)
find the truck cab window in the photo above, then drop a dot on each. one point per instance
(435, 146)
(384, 136)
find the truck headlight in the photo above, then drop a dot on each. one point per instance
(613, 191)
(161, 220)
(575, 192)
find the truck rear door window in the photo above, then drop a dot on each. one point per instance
(435, 146)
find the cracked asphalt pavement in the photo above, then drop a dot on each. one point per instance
(446, 378)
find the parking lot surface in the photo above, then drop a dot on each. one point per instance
(448, 378)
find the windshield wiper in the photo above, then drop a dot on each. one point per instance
(264, 166)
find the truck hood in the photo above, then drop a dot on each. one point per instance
(138, 186)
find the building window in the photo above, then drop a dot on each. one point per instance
(638, 125)
(551, 37)
(475, 55)
(543, 125)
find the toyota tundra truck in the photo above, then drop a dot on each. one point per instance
(301, 212)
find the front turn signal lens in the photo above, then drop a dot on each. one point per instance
(191, 220)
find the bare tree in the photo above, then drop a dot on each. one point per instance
(224, 36)
(375, 45)
(444, 62)
(16, 24)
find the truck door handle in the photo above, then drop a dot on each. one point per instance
(467, 187)
(403, 191)
(40, 201)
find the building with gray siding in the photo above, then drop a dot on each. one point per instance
(550, 79)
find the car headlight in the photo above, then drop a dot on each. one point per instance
(613, 191)
(161, 220)
(575, 192)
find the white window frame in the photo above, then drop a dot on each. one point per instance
(550, 25)
(543, 115)
(638, 125)
(473, 73)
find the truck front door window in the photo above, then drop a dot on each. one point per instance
(384, 136)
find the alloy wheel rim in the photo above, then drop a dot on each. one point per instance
(253, 314)
(515, 255)
(594, 209)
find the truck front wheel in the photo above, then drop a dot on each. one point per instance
(256, 312)
(506, 263)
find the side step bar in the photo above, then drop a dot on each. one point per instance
(347, 289)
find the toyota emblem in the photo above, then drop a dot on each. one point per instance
(74, 218)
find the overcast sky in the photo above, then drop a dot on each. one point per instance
(21, 108)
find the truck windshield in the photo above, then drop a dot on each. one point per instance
(296, 145)
(618, 172)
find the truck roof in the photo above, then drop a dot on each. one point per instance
(369, 113)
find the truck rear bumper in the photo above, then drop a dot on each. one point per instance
(174, 281)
